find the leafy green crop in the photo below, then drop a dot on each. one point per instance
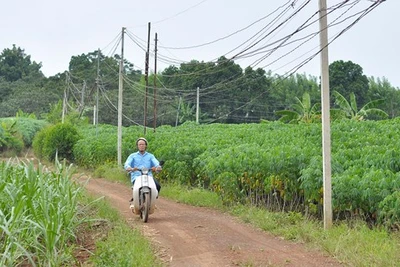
(274, 165)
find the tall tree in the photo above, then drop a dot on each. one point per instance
(16, 65)
(84, 70)
(346, 78)
(285, 91)
(28, 98)
(5, 90)
(217, 83)
(381, 88)
(252, 96)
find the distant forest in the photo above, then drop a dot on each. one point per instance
(206, 92)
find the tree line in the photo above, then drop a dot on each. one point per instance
(226, 93)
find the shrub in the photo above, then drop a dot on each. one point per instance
(10, 138)
(38, 141)
(57, 140)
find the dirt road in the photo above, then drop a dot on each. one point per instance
(191, 236)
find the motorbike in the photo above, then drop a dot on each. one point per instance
(144, 195)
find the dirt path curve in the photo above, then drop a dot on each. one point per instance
(193, 236)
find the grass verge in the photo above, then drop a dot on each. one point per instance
(116, 242)
(352, 244)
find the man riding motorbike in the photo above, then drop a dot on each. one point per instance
(142, 159)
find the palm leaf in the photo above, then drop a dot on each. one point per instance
(306, 101)
(373, 104)
(353, 104)
(288, 116)
(342, 102)
(377, 112)
(337, 114)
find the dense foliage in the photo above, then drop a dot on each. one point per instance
(102, 147)
(226, 92)
(275, 165)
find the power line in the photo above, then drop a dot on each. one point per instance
(229, 35)
(363, 13)
(251, 50)
(307, 37)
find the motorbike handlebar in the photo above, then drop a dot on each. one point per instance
(154, 169)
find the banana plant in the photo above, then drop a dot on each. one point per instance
(303, 111)
(349, 109)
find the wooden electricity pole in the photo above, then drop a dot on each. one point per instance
(155, 85)
(326, 129)
(82, 104)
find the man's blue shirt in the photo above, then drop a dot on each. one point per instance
(138, 160)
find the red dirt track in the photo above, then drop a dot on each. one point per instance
(191, 236)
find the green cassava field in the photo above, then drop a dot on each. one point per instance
(271, 166)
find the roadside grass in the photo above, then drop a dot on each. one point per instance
(119, 244)
(194, 197)
(107, 239)
(38, 214)
(112, 172)
(352, 244)
(47, 220)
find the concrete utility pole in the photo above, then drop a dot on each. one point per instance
(326, 128)
(155, 85)
(120, 89)
(146, 78)
(177, 113)
(197, 105)
(96, 107)
(64, 109)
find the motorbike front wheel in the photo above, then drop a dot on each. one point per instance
(145, 209)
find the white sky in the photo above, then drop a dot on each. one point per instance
(53, 31)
